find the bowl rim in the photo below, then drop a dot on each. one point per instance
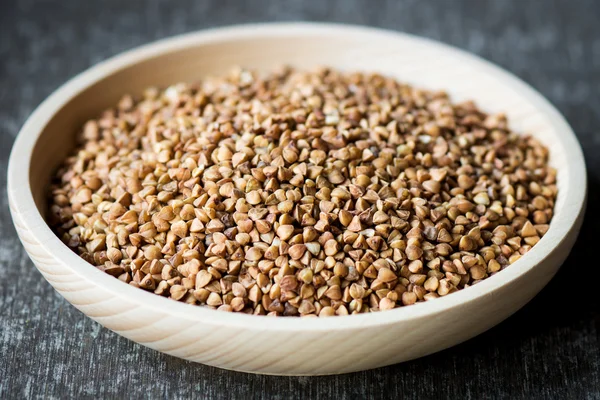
(23, 207)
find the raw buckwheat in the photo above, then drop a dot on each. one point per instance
(301, 193)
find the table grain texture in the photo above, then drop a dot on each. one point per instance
(548, 350)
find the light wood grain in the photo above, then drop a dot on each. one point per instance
(287, 345)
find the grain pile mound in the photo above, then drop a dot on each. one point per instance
(301, 193)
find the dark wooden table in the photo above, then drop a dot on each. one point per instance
(550, 349)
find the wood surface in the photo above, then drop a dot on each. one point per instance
(547, 350)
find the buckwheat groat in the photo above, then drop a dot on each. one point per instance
(301, 193)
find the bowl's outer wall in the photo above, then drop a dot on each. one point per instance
(314, 353)
(256, 348)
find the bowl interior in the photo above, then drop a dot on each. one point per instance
(419, 62)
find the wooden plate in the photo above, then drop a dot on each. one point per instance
(290, 346)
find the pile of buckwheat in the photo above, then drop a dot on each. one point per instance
(301, 193)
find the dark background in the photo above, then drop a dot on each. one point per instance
(550, 349)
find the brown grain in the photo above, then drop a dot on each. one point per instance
(301, 193)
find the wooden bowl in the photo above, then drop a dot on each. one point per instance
(290, 346)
